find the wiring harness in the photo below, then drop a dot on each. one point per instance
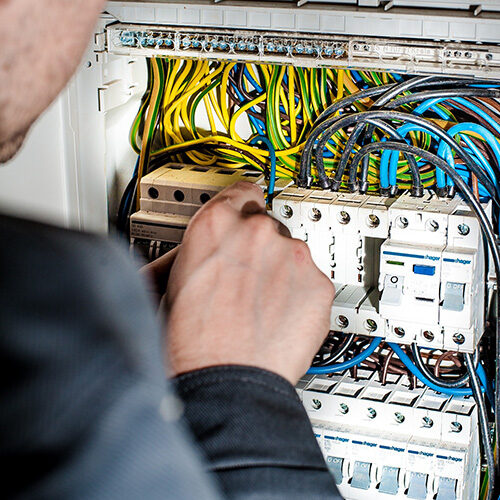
(341, 130)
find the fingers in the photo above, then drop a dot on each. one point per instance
(218, 219)
(158, 271)
(243, 197)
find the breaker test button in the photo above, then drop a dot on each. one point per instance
(389, 481)
(418, 486)
(335, 466)
(447, 489)
(454, 296)
(361, 475)
(424, 270)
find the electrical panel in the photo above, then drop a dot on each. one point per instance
(390, 441)
(410, 271)
(407, 269)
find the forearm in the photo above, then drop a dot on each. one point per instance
(255, 434)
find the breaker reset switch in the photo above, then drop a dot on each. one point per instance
(361, 475)
(447, 489)
(418, 486)
(454, 296)
(393, 290)
(389, 482)
(335, 466)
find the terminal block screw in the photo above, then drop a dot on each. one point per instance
(428, 335)
(458, 338)
(286, 211)
(432, 225)
(463, 229)
(373, 221)
(344, 217)
(316, 404)
(315, 215)
(342, 321)
(343, 408)
(371, 413)
(456, 427)
(427, 422)
(370, 325)
(400, 332)
(402, 222)
(400, 418)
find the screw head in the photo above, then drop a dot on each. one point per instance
(399, 417)
(316, 404)
(286, 211)
(399, 332)
(153, 193)
(373, 221)
(370, 325)
(458, 338)
(428, 335)
(432, 225)
(344, 217)
(343, 408)
(456, 427)
(371, 413)
(427, 422)
(402, 222)
(463, 229)
(342, 321)
(314, 214)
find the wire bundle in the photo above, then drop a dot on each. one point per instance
(194, 111)
(339, 130)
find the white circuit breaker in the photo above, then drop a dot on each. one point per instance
(390, 442)
(408, 269)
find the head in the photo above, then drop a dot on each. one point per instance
(41, 43)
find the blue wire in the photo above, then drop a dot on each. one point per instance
(430, 103)
(413, 369)
(252, 80)
(388, 173)
(272, 157)
(258, 124)
(321, 370)
(483, 132)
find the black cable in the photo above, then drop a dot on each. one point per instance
(333, 357)
(417, 188)
(457, 179)
(123, 210)
(320, 126)
(483, 425)
(438, 94)
(349, 145)
(445, 384)
(342, 122)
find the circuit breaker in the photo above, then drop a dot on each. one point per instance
(407, 269)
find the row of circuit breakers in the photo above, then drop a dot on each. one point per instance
(405, 269)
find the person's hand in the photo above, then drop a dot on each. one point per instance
(242, 293)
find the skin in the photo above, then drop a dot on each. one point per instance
(238, 291)
(241, 292)
(42, 42)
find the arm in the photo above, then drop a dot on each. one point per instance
(247, 311)
(255, 434)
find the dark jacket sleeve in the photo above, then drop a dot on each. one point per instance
(85, 412)
(255, 434)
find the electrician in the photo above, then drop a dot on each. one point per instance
(85, 409)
